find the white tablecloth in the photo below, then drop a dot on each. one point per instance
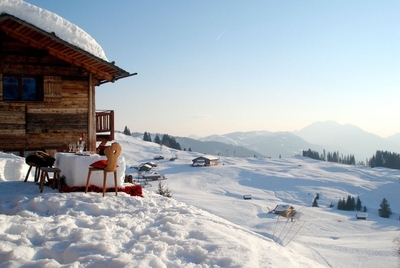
(75, 169)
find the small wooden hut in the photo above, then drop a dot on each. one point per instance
(361, 216)
(47, 90)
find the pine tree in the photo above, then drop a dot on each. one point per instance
(379, 159)
(352, 160)
(170, 142)
(157, 139)
(175, 144)
(165, 140)
(127, 131)
(353, 203)
(358, 204)
(341, 204)
(147, 136)
(335, 157)
(349, 203)
(385, 210)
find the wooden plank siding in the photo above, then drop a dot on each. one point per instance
(61, 117)
(12, 126)
(63, 105)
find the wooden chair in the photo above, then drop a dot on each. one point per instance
(112, 153)
(56, 177)
(38, 159)
(37, 171)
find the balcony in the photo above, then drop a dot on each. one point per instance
(104, 125)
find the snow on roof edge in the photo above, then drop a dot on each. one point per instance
(51, 22)
(209, 157)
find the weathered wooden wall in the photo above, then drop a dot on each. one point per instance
(12, 126)
(62, 115)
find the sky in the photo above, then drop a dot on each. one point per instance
(206, 223)
(215, 67)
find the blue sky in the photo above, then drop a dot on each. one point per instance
(215, 67)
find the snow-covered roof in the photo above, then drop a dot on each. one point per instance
(208, 157)
(282, 207)
(52, 23)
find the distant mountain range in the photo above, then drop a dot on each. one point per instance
(394, 138)
(270, 144)
(348, 139)
(329, 135)
(209, 147)
(217, 148)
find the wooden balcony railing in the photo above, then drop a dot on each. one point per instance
(105, 125)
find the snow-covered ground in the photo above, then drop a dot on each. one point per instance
(206, 223)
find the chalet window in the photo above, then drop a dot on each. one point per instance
(21, 88)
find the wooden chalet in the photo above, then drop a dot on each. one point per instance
(47, 90)
(284, 210)
(205, 160)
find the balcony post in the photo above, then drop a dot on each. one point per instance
(91, 132)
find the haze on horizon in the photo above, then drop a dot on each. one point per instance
(215, 67)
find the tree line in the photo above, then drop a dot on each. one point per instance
(166, 140)
(351, 204)
(379, 159)
(331, 157)
(385, 159)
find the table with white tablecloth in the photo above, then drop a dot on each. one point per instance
(75, 169)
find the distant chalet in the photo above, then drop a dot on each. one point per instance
(284, 210)
(204, 161)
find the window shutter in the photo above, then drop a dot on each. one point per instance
(52, 88)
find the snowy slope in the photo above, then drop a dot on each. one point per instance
(206, 223)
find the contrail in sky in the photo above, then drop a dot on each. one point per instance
(221, 35)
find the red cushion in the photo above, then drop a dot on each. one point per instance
(100, 164)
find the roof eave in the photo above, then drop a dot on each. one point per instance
(113, 74)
